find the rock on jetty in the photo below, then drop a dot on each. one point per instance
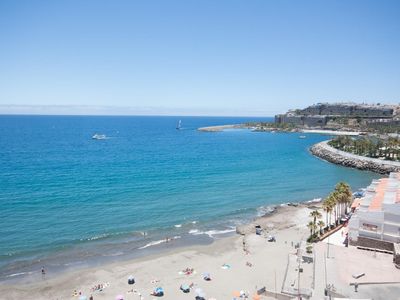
(221, 127)
(328, 153)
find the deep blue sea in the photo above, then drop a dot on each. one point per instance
(68, 200)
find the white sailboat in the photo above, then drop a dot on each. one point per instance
(178, 126)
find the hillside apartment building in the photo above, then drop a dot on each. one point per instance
(320, 114)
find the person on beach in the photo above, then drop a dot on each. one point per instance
(43, 272)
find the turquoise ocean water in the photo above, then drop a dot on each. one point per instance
(68, 200)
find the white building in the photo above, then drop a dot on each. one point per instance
(377, 214)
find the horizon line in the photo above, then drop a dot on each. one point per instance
(102, 110)
(133, 115)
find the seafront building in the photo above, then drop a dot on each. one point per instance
(375, 222)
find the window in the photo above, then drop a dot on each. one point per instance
(369, 227)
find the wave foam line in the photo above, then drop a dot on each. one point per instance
(19, 274)
(211, 233)
(154, 243)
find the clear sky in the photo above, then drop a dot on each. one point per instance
(196, 57)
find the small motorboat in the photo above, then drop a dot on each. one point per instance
(99, 136)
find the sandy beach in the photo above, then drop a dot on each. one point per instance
(241, 264)
(331, 132)
(246, 269)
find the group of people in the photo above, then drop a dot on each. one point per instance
(76, 294)
(98, 287)
(188, 271)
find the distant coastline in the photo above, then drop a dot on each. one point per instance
(326, 152)
(219, 128)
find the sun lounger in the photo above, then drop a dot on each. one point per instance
(358, 275)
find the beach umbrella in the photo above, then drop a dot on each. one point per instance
(199, 292)
(82, 297)
(185, 287)
(131, 280)
(119, 297)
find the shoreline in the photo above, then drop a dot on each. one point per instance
(331, 132)
(219, 128)
(153, 247)
(61, 285)
(330, 154)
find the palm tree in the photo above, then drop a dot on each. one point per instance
(321, 225)
(312, 227)
(326, 208)
(315, 214)
(330, 203)
(333, 200)
(344, 196)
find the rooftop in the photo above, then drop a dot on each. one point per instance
(380, 192)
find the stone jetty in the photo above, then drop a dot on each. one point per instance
(221, 127)
(328, 153)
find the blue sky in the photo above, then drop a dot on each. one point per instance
(196, 57)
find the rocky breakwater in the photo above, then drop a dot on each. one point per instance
(221, 127)
(328, 153)
(282, 217)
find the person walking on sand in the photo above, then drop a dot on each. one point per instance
(43, 273)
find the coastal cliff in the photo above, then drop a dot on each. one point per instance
(328, 153)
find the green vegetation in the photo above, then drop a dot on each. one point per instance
(384, 128)
(312, 225)
(335, 205)
(388, 148)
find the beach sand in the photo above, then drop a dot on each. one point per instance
(263, 264)
(253, 263)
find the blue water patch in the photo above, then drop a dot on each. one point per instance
(63, 192)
